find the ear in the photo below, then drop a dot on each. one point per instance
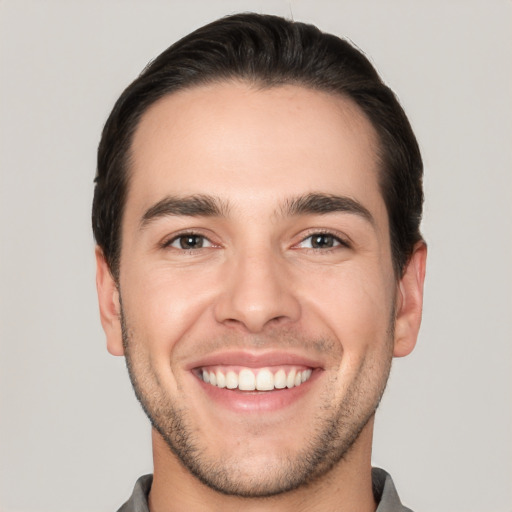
(110, 308)
(410, 302)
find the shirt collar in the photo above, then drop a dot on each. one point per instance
(384, 492)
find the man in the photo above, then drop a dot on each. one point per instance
(259, 263)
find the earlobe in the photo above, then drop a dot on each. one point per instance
(410, 302)
(108, 299)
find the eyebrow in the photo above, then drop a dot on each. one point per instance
(191, 206)
(203, 205)
(322, 204)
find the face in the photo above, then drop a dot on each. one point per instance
(257, 298)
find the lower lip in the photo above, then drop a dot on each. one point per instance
(257, 401)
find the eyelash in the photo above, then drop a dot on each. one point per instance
(168, 243)
(341, 242)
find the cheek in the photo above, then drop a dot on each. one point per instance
(351, 303)
(164, 304)
(355, 303)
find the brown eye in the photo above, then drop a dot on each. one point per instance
(321, 241)
(190, 241)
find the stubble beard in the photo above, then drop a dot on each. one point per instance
(337, 429)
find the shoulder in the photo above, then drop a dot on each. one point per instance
(385, 492)
(138, 501)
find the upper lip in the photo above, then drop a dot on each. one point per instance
(255, 359)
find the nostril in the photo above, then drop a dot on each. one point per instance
(256, 304)
(255, 325)
(278, 320)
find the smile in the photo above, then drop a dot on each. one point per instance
(255, 379)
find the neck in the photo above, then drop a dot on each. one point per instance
(346, 487)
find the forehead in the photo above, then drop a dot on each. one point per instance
(252, 146)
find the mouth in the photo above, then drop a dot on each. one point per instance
(255, 382)
(255, 379)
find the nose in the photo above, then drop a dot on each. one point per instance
(257, 292)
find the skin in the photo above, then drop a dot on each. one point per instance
(259, 286)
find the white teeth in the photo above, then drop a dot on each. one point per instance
(261, 379)
(246, 381)
(290, 380)
(231, 380)
(264, 380)
(280, 380)
(221, 379)
(305, 375)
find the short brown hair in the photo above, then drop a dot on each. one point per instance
(268, 51)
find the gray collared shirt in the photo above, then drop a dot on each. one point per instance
(383, 490)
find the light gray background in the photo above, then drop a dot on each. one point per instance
(72, 437)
